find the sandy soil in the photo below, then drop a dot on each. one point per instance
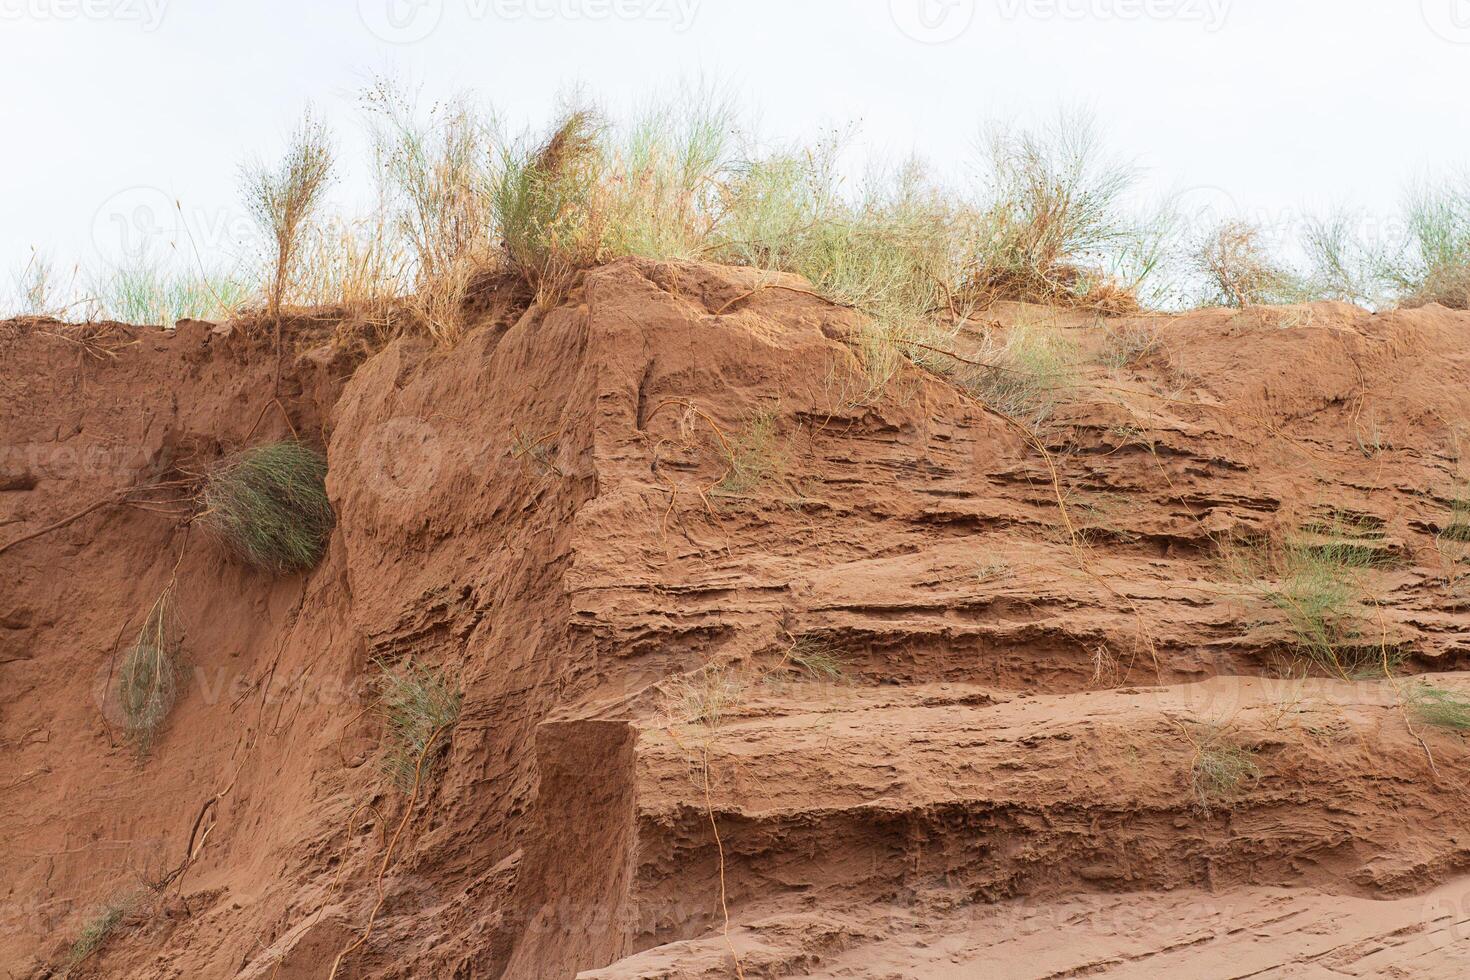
(653, 777)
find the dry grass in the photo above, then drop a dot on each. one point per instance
(283, 199)
(420, 707)
(1129, 345)
(891, 252)
(148, 678)
(755, 458)
(437, 177)
(665, 176)
(1429, 263)
(1221, 771)
(35, 287)
(1240, 270)
(1342, 266)
(358, 265)
(1052, 226)
(1023, 373)
(268, 504)
(705, 697)
(815, 658)
(1050, 217)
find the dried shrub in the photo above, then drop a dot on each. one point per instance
(148, 678)
(1221, 772)
(1240, 269)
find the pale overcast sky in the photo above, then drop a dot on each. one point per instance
(115, 108)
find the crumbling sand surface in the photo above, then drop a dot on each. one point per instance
(655, 774)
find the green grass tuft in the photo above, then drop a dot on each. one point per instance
(147, 293)
(1321, 592)
(753, 458)
(1458, 529)
(269, 505)
(420, 707)
(1434, 267)
(548, 204)
(98, 929)
(1440, 707)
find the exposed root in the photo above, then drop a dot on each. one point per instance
(709, 809)
(775, 285)
(116, 497)
(388, 856)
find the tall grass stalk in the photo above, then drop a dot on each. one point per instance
(283, 199)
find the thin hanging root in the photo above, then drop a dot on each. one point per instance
(709, 809)
(691, 409)
(276, 401)
(388, 856)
